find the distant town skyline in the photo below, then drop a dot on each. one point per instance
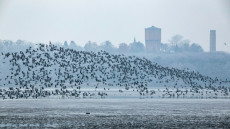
(117, 21)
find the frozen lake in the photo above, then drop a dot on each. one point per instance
(115, 113)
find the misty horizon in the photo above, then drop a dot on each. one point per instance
(116, 21)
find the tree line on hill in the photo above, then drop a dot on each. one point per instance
(176, 45)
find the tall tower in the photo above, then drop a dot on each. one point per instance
(212, 40)
(152, 39)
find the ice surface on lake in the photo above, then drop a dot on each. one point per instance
(115, 113)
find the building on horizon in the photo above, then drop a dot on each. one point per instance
(152, 39)
(212, 40)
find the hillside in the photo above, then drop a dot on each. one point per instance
(49, 70)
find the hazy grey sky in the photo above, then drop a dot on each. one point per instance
(114, 20)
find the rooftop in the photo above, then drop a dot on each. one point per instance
(152, 27)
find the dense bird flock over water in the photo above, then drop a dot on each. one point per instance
(49, 71)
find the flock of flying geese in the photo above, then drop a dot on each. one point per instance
(48, 70)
